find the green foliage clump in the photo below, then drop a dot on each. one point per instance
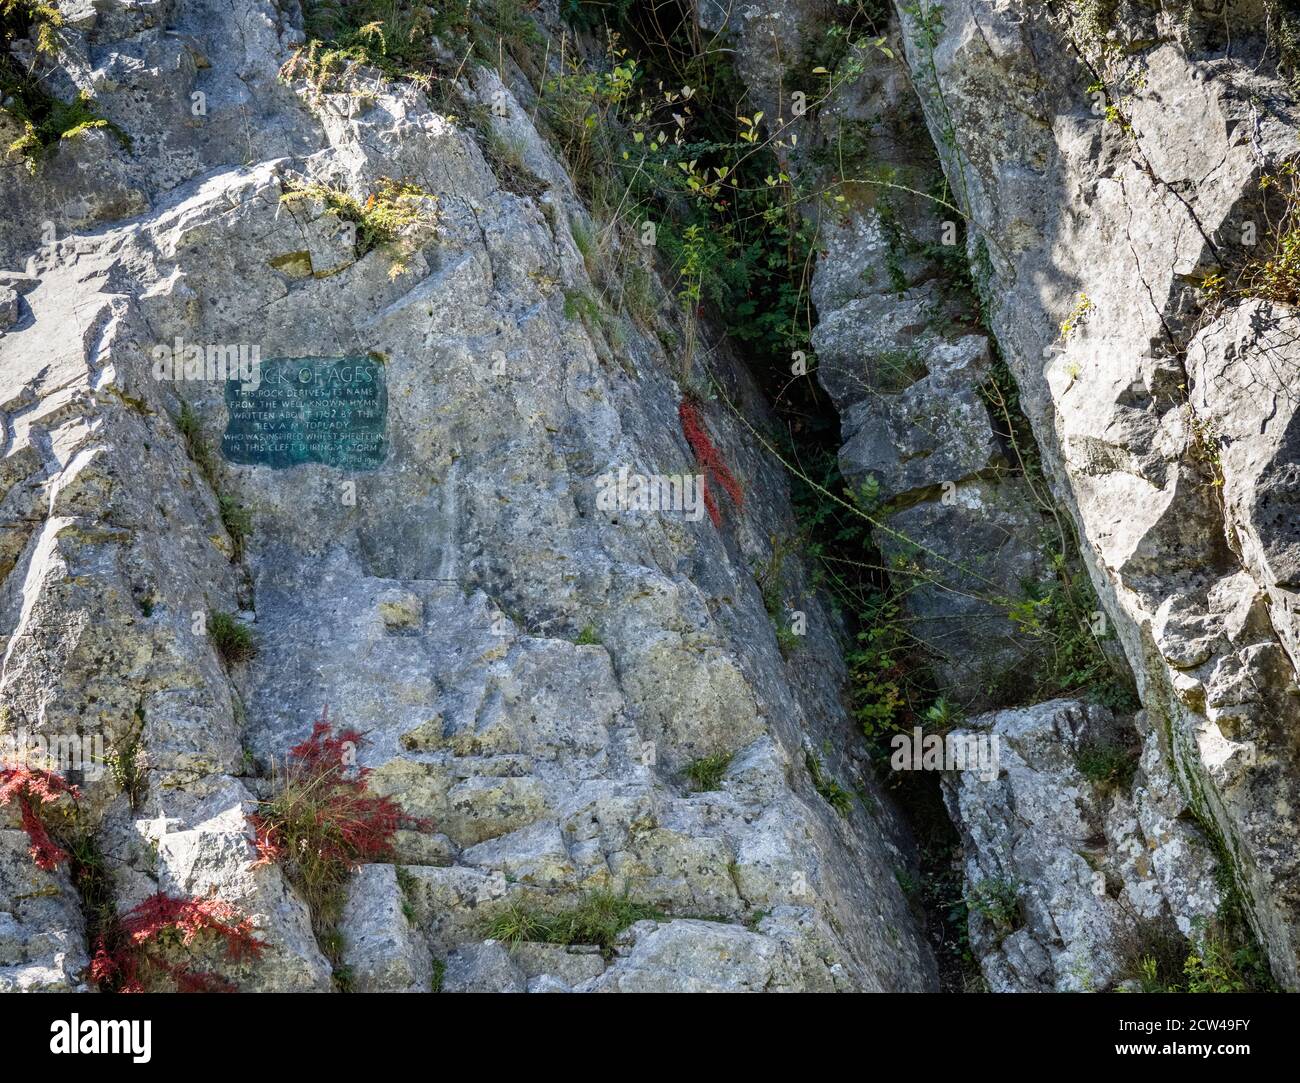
(835, 795)
(707, 772)
(396, 216)
(232, 638)
(588, 637)
(45, 119)
(998, 901)
(597, 918)
(1107, 763)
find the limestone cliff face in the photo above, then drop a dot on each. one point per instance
(534, 669)
(1119, 221)
(433, 600)
(1107, 160)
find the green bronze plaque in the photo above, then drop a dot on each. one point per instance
(329, 410)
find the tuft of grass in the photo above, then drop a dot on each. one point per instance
(505, 154)
(232, 638)
(835, 795)
(238, 521)
(598, 918)
(707, 772)
(588, 637)
(187, 424)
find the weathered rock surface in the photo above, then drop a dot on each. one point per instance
(1066, 872)
(431, 602)
(898, 348)
(1106, 227)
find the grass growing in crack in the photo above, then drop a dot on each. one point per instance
(187, 424)
(707, 772)
(1106, 763)
(235, 517)
(997, 901)
(232, 638)
(126, 763)
(597, 918)
(410, 888)
(588, 637)
(238, 521)
(835, 795)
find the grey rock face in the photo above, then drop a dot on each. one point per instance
(383, 952)
(1105, 228)
(899, 352)
(42, 934)
(1064, 872)
(431, 602)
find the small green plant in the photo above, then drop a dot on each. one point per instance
(232, 638)
(597, 918)
(835, 795)
(1216, 965)
(396, 216)
(1203, 445)
(439, 975)
(707, 772)
(409, 887)
(238, 521)
(771, 578)
(998, 901)
(188, 425)
(1064, 618)
(1272, 269)
(1078, 316)
(942, 715)
(1106, 763)
(126, 762)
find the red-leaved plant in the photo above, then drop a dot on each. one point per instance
(710, 458)
(322, 822)
(33, 789)
(130, 957)
(322, 806)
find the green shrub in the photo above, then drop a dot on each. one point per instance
(998, 901)
(232, 638)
